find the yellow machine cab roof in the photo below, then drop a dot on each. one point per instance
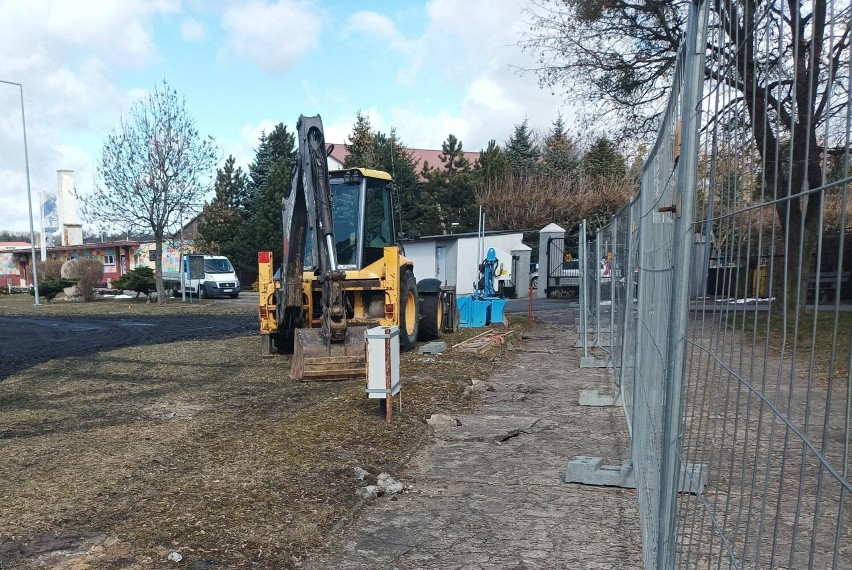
(366, 172)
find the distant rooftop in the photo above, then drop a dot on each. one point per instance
(420, 156)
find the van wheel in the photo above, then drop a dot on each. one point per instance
(408, 311)
(432, 308)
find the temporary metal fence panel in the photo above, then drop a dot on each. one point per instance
(656, 226)
(583, 251)
(729, 341)
(768, 393)
(622, 276)
(588, 264)
(594, 318)
(602, 274)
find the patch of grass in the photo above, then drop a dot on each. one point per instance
(812, 335)
(24, 304)
(205, 447)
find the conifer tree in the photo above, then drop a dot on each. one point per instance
(603, 160)
(268, 183)
(561, 155)
(522, 152)
(219, 223)
(361, 149)
(492, 163)
(451, 188)
(372, 149)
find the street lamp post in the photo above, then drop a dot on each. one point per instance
(29, 191)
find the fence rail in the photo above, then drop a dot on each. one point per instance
(724, 314)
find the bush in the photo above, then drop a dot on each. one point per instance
(51, 287)
(140, 280)
(88, 273)
(50, 269)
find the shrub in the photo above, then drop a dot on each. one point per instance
(88, 273)
(51, 287)
(50, 269)
(140, 280)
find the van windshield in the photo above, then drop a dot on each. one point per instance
(218, 266)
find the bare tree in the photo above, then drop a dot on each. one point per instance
(533, 201)
(787, 63)
(153, 165)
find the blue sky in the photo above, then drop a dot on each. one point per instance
(426, 68)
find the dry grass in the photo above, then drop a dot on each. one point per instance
(24, 304)
(810, 334)
(199, 447)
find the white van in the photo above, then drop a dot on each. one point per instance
(208, 276)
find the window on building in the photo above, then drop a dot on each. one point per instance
(109, 259)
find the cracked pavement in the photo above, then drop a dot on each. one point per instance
(489, 493)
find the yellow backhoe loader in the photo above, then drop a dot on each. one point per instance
(342, 269)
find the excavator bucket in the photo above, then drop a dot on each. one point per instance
(316, 358)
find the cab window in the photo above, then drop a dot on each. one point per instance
(378, 215)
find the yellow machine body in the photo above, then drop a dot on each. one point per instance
(382, 292)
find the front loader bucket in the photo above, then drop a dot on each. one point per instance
(315, 358)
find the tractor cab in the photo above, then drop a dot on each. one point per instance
(362, 210)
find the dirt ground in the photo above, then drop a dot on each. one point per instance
(121, 457)
(489, 491)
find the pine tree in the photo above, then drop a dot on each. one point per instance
(361, 149)
(602, 161)
(452, 155)
(219, 223)
(392, 157)
(561, 156)
(372, 149)
(492, 163)
(522, 152)
(269, 182)
(451, 188)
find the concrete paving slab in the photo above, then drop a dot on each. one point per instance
(481, 500)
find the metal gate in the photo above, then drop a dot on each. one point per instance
(563, 267)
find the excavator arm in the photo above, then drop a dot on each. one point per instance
(334, 350)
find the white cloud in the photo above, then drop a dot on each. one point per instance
(272, 36)
(244, 147)
(471, 47)
(66, 54)
(191, 30)
(379, 26)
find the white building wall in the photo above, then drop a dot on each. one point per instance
(462, 263)
(422, 253)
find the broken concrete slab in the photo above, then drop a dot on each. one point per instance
(435, 347)
(486, 428)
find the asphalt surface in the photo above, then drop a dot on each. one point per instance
(27, 341)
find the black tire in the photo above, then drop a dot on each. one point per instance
(235, 296)
(409, 312)
(431, 316)
(534, 282)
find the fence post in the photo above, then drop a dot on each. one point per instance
(628, 302)
(596, 273)
(613, 235)
(583, 254)
(687, 181)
